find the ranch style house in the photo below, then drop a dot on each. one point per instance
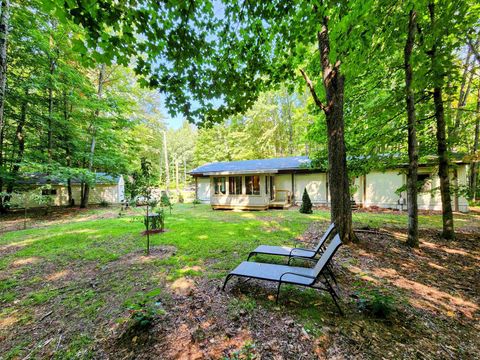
(280, 182)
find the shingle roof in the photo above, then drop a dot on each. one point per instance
(250, 166)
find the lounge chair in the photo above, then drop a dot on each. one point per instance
(285, 274)
(301, 253)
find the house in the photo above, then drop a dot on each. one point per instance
(107, 189)
(279, 183)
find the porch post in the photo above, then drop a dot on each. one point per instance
(196, 187)
(293, 188)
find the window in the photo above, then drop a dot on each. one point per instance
(252, 185)
(266, 185)
(219, 184)
(49, 192)
(235, 185)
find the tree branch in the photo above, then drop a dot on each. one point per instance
(474, 49)
(312, 91)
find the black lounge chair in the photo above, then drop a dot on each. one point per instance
(285, 274)
(301, 253)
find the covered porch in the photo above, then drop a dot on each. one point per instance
(248, 192)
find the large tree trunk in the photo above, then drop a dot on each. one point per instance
(4, 18)
(443, 166)
(165, 153)
(184, 173)
(50, 111)
(176, 176)
(68, 153)
(474, 168)
(443, 161)
(333, 82)
(20, 138)
(412, 135)
(86, 188)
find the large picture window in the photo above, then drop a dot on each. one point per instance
(235, 185)
(219, 185)
(252, 185)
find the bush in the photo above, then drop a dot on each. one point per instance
(104, 203)
(196, 202)
(165, 202)
(376, 304)
(181, 199)
(155, 221)
(306, 207)
(144, 310)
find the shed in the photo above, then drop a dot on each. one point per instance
(108, 188)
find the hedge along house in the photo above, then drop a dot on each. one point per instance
(107, 189)
(279, 183)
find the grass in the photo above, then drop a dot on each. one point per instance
(207, 243)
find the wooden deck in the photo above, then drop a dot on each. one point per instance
(279, 205)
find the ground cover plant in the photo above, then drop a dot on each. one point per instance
(85, 289)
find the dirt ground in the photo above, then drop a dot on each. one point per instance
(432, 294)
(39, 217)
(436, 311)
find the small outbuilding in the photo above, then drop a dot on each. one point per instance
(107, 189)
(280, 182)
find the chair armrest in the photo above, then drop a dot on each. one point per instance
(291, 251)
(292, 273)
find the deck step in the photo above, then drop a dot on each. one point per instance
(279, 205)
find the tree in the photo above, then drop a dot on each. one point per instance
(306, 207)
(474, 170)
(412, 135)
(93, 131)
(443, 160)
(4, 23)
(333, 82)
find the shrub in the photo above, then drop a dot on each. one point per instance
(181, 199)
(104, 203)
(306, 207)
(156, 221)
(165, 202)
(196, 202)
(144, 311)
(376, 304)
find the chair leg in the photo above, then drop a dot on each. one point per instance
(337, 305)
(330, 271)
(333, 294)
(226, 280)
(278, 292)
(329, 286)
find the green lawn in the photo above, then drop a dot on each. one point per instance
(78, 270)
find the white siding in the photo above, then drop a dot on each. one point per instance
(381, 187)
(374, 189)
(204, 189)
(283, 182)
(462, 180)
(316, 187)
